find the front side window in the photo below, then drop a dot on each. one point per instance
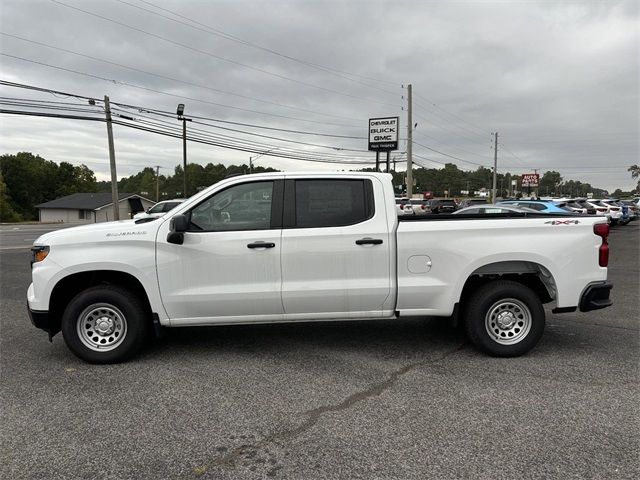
(332, 203)
(241, 207)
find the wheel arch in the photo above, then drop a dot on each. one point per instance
(528, 273)
(69, 286)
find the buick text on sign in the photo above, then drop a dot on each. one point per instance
(383, 133)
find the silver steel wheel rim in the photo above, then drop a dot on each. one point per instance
(101, 327)
(508, 321)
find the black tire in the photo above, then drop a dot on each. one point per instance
(105, 324)
(513, 314)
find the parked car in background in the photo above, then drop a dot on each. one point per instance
(583, 203)
(442, 205)
(614, 212)
(403, 206)
(624, 209)
(601, 210)
(159, 209)
(493, 208)
(420, 207)
(468, 202)
(634, 209)
(542, 206)
(573, 205)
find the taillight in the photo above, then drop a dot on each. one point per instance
(601, 209)
(401, 206)
(602, 230)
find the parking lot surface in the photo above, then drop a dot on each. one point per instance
(386, 399)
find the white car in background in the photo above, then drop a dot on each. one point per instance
(601, 210)
(614, 212)
(159, 209)
(403, 206)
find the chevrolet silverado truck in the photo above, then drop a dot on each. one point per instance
(297, 247)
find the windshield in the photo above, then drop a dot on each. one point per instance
(157, 208)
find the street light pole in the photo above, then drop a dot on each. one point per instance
(180, 113)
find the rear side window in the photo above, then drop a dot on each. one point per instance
(332, 203)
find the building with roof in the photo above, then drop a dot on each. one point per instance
(91, 207)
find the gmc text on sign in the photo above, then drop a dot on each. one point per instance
(383, 133)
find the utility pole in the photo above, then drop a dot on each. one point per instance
(250, 165)
(184, 155)
(112, 160)
(157, 183)
(409, 144)
(495, 167)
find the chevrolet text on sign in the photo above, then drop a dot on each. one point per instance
(383, 133)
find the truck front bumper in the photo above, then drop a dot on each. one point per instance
(42, 320)
(596, 296)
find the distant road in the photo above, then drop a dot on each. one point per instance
(21, 236)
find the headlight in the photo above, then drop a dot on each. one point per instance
(38, 254)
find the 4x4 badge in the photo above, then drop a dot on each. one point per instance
(562, 222)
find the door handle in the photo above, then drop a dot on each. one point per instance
(261, 245)
(369, 241)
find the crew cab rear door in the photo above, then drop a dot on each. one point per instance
(335, 248)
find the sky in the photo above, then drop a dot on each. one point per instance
(558, 80)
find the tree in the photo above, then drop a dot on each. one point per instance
(635, 173)
(550, 182)
(7, 213)
(30, 180)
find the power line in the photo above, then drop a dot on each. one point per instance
(219, 33)
(218, 57)
(443, 128)
(422, 134)
(132, 85)
(50, 115)
(240, 147)
(172, 114)
(480, 129)
(215, 90)
(447, 155)
(271, 137)
(209, 135)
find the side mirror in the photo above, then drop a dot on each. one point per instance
(177, 226)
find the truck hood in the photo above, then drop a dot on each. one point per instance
(98, 232)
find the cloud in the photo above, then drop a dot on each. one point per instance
(558, 81)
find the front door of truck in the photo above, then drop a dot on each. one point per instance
(228, 268)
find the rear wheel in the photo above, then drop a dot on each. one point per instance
(504, 318)
(105, 324)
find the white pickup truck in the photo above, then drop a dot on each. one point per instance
(295, 247)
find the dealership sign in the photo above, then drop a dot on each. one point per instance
(383, 133)
(530, 180)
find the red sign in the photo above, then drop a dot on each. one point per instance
(530, 180)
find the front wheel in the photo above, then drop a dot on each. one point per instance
(105, 324)
(504, 318)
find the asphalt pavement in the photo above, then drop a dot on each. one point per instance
(349, 400)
